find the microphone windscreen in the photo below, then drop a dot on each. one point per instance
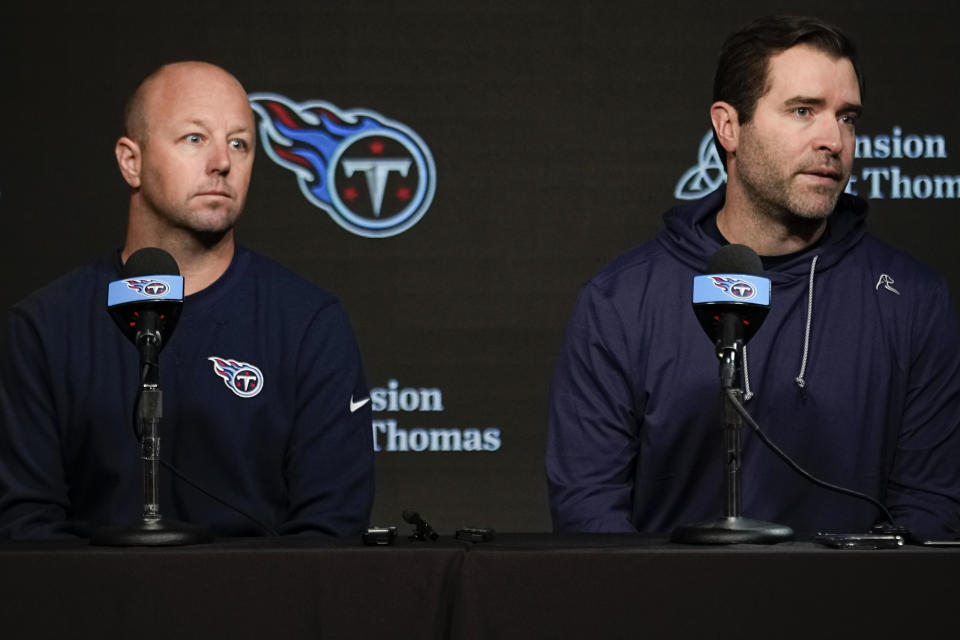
(149, 261)
(736, 258)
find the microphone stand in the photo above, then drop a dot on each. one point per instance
(732, 528)
(153, 529)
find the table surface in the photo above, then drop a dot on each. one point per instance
(517, 585)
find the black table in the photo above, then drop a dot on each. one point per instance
(517, 586)
(251, 588)
(619, 587)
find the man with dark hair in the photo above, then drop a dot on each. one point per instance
(859, 383)
(742, 70)
(294, 452)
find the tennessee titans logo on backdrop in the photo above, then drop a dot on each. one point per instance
(151, 288)
(242, 378)
(739, 289)
(375, 177)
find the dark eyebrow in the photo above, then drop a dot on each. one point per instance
(852, 107)
(800, 101)
(803, 100)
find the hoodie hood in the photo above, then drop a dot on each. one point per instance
(687, 239)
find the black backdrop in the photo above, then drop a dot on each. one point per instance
(560, 131)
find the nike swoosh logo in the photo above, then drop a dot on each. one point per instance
(356, 405)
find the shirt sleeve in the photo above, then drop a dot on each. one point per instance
(329, 460)
(34, 497)
(592, 439)
(924, 486)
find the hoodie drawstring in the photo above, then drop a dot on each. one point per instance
(801, 382)
(747, 392)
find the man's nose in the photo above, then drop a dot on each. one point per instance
(829, 135)
(219, 159)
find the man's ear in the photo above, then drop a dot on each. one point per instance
(726, 125)
(129, 160)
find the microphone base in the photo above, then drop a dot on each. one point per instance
(162, 533)
(733, 530)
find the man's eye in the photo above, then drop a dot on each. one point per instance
(802, 111)
(240, 145)
(194, 138)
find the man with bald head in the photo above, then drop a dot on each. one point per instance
(187, 157)
(289, 446)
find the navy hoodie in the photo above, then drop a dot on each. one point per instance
(855, 374)
(296, 452)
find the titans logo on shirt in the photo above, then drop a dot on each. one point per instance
(243, 378)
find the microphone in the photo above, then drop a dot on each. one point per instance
(146, 302)
(731, 302)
